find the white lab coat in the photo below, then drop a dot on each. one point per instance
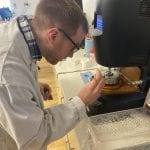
(25, 124)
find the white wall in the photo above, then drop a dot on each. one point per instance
(21, 8)
(26, 7)
(88, 8)
(32, 4)
(5, 3)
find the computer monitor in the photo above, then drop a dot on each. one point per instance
(122, 36)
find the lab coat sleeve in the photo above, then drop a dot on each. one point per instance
(32, 127)
(62, 118)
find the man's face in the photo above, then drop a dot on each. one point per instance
(60, 46)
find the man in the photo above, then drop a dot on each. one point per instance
(54, 33)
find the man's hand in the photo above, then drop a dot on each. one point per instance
(92, 90)
(45, 91)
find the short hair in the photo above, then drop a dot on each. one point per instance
(65, 14)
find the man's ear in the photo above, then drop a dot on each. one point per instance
(52, 34)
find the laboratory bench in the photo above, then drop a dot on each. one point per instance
(128, 129)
